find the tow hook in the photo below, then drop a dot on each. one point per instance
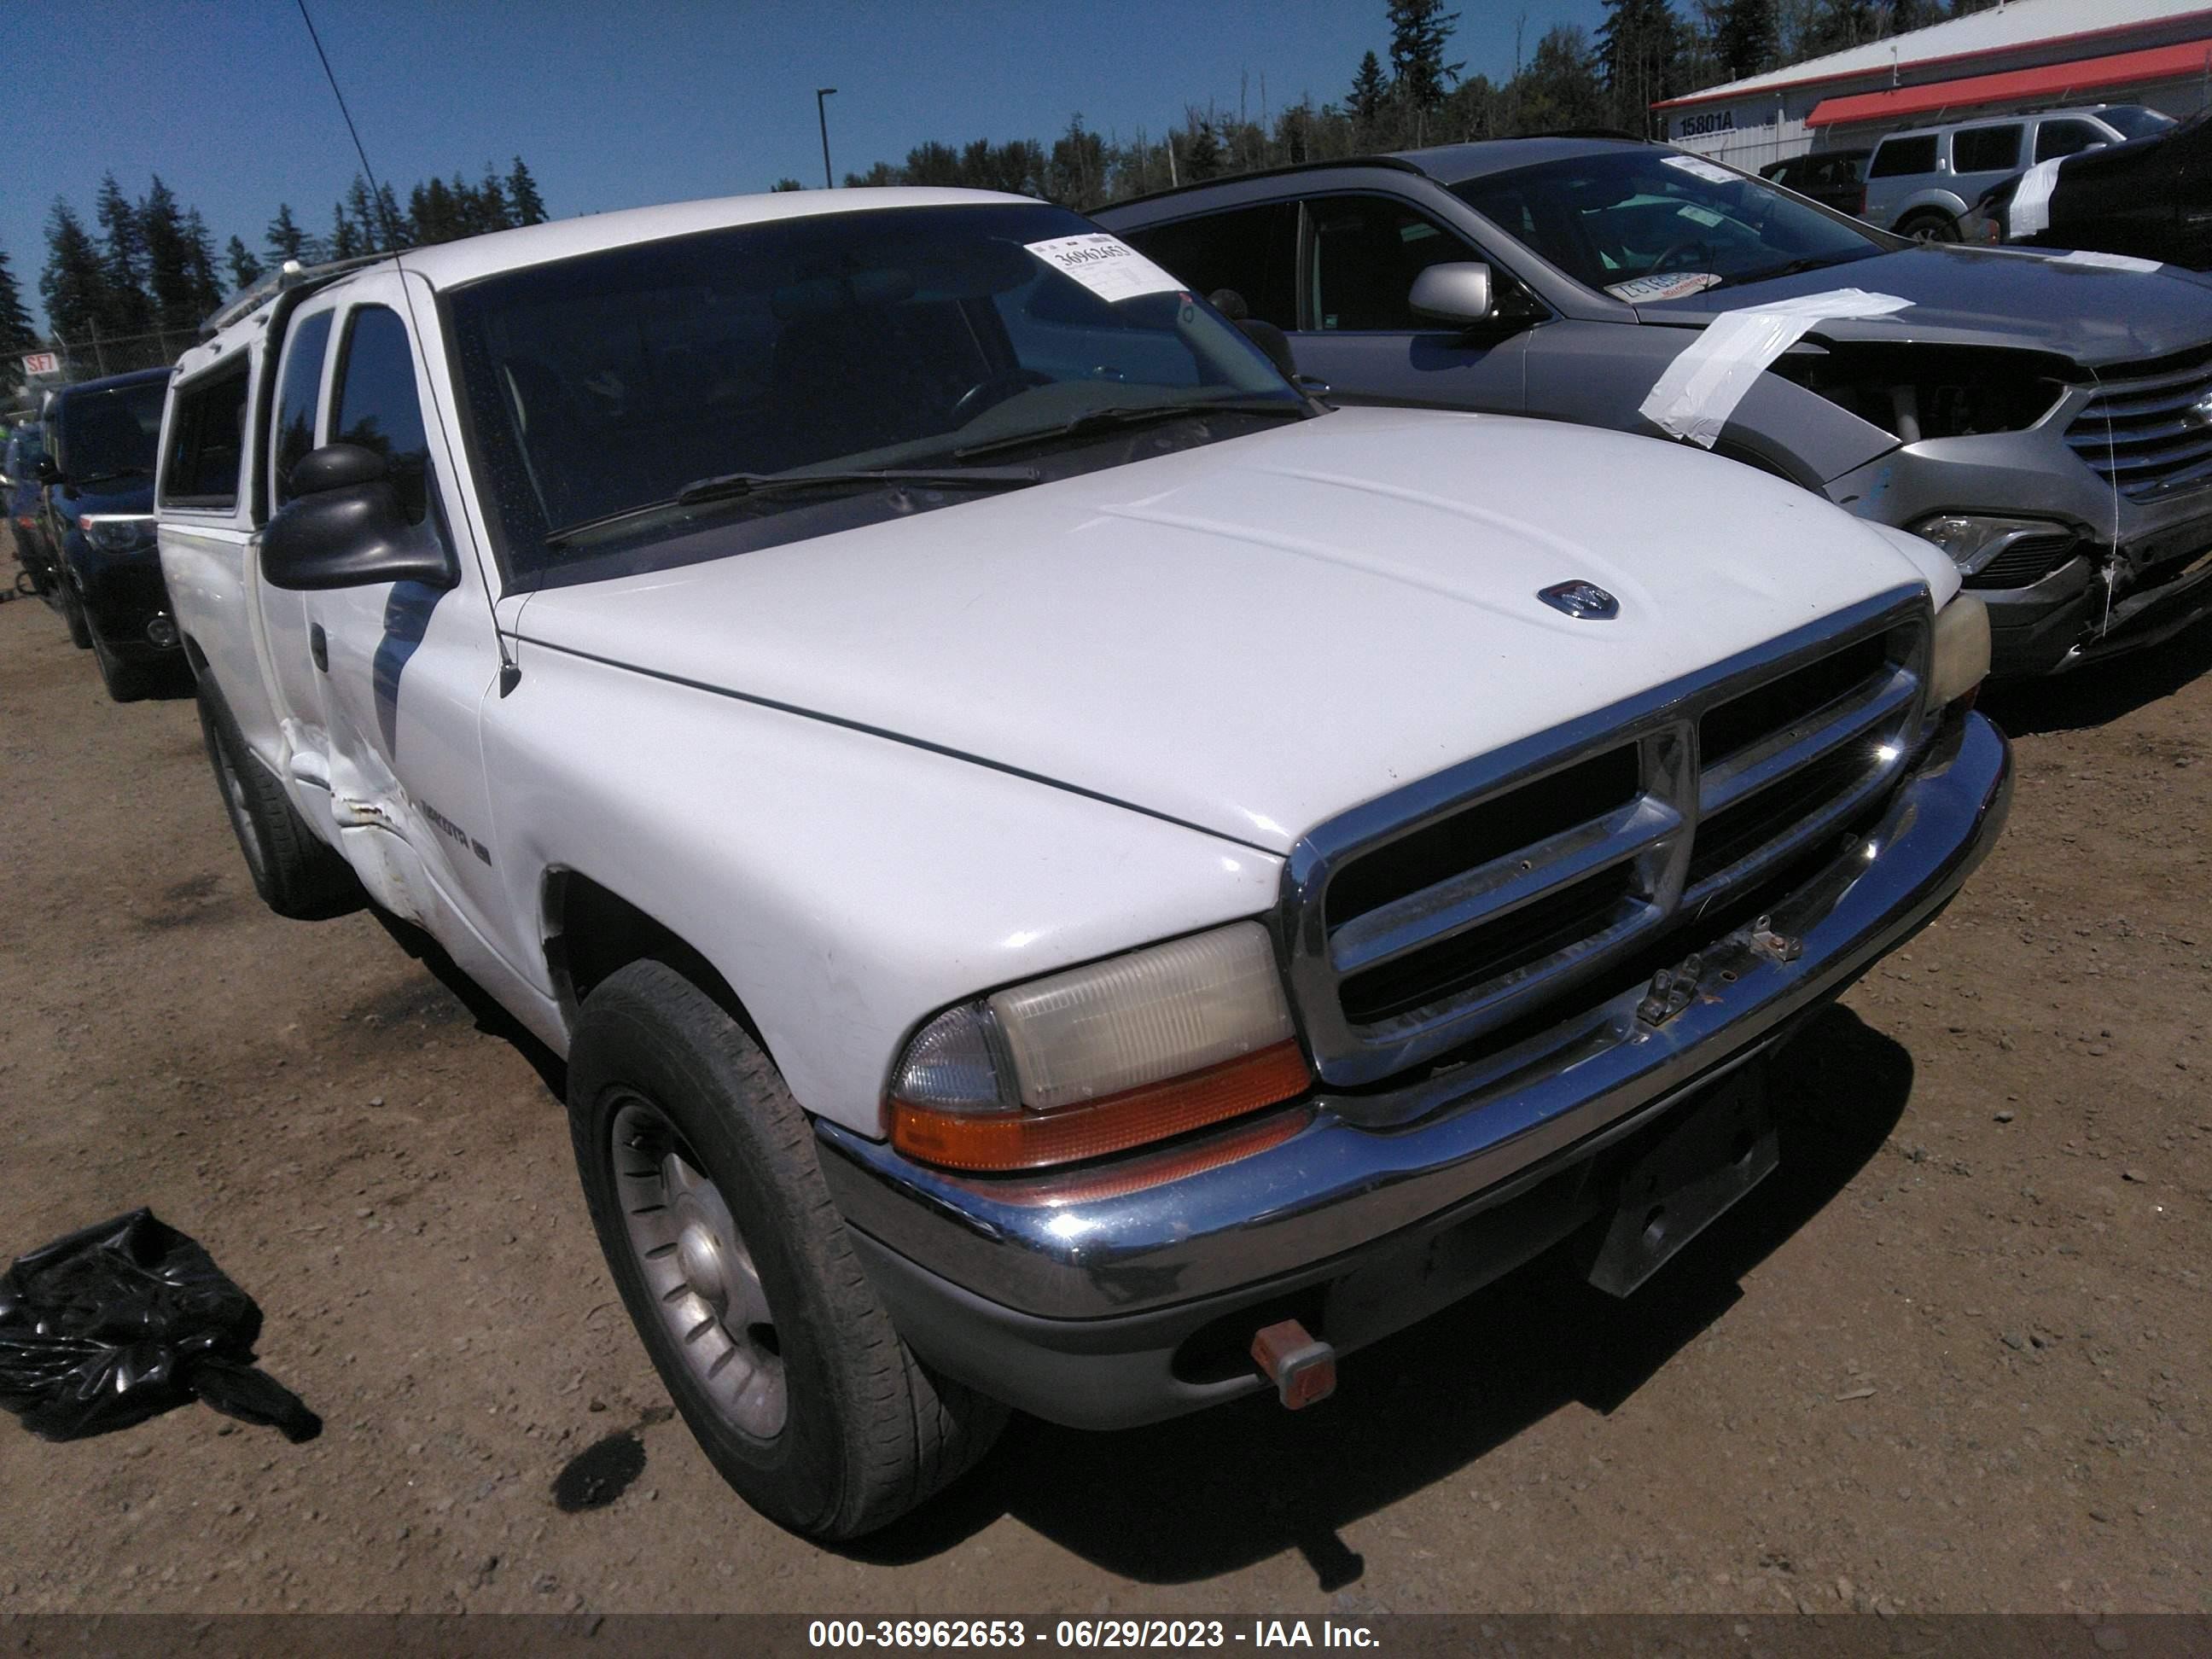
(1300, 1364)
(1670, 990)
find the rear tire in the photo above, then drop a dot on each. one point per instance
(699, 1170)
(296, 875)
(1930, 227)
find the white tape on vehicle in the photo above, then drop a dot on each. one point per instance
(1703, 386)
(1105, 264)
(2030, 213)
(2096, 261)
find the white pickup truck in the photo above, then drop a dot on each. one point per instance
(1067, 874)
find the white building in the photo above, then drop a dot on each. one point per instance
(2016, 55)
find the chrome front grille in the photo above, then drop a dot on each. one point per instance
(2142, 430)
(1444, 912)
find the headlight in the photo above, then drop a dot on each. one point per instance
(1958, 658)
(1102, 1058)
(1975, 540)
(117, 532)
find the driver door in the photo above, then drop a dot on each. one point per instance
(1357, 261)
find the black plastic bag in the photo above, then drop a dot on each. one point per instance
(119, 1323)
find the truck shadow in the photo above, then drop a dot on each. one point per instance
(1220, 1489)
(2100, 693)
(490, 1016)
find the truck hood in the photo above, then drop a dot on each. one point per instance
(1252, 635)
(1993, 297)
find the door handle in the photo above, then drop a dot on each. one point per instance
(319, 646)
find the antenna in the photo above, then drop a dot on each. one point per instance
(510, 671)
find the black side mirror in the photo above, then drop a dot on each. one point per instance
(343, 528)
(1272, 340)
(48, 472)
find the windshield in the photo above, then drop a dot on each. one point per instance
(1651, 224)
(111, 433)
(2133, 120)
(605, 390)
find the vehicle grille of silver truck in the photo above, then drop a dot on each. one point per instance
(1444, 912)
(2143, 431)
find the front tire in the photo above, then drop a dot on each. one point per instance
(699, 1170)
(80, 630)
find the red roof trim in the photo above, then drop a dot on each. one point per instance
(1930, 63)
(2083, 75)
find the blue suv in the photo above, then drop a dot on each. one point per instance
(98, 519)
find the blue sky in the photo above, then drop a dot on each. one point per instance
(639, 101)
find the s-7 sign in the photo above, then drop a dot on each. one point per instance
(36, 363)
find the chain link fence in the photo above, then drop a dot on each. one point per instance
(102, 355)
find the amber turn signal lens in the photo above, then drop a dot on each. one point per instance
(1029, 1139)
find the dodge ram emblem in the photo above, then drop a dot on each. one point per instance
(1583, 601)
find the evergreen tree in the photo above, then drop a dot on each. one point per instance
(528, 206)
(245, 269)
(391, 228)
(168, 259)
(345, 235)
(361, 213)
(1746, 38)
(783, 185)
(286, 239)
(206, 289)
(1837, 26)
(498, 214)
(1905, 15)
(1364, 102)
(126, 309)
(1419, 29)
(73, 284)
(1200, 150)
(16, 335)
(1636, 49)
(1559, 87)
(437, 217)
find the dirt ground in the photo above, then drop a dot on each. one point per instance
(1952, 1357)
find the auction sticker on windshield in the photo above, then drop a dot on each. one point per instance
(1105, 264)
(1672, 285)
(1698, 169)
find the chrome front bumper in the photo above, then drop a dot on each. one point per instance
(1353, 1169)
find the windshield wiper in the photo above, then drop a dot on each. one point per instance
(1788, 268)
(119, 472)
(1099, 420)
(733, 486)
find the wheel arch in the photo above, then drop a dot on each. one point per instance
(590, 931)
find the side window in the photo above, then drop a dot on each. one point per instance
(1987, 149)
(207, 441)
(1898, 157)
(376, 403)
(2057, 138)
(295, 401)
(1253, 251)
(1366, 252)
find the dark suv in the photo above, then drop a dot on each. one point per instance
(99, 518)
(2042, 422)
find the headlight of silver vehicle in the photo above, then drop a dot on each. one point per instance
(1973, 540)
(117, 532)
(1102, 1058)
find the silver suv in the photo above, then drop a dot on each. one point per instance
(1919, 181)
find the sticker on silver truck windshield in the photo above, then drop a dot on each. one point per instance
(1105, 264)
(1672, 285)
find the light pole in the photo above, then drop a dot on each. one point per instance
(822, 114)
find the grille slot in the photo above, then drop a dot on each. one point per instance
(1462, 905)
(2138, 432)
(2027, 562)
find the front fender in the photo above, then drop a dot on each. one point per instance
(846, 885)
